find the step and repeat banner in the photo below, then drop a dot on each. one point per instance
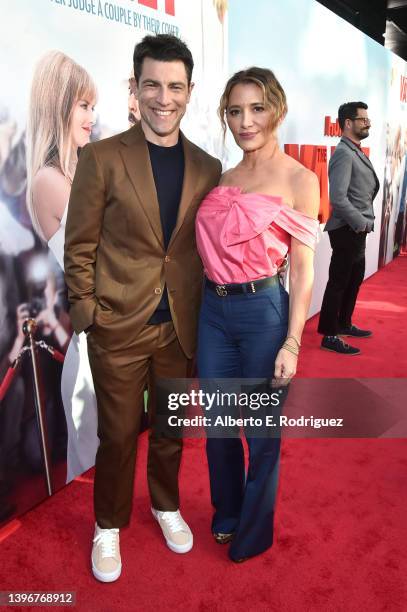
(52, 53)
(321, 62)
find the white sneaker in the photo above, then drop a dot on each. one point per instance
(106, 561)
(176, 532)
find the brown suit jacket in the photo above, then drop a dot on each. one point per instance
(116, 265)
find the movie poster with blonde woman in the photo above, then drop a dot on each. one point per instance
(69, 81)
(393, 221)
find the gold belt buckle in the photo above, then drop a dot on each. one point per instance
(221, 290)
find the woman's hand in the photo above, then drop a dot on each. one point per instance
(285, 366)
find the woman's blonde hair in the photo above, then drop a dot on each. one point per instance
(58, 83)
(274, 97)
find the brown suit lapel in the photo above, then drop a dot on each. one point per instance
(137, 161)
(189, 187)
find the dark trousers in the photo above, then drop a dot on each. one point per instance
(346, 273)
(239, 337)
(120, 378)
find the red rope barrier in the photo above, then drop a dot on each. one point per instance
(7, 380)
(58, 356)
(12, 371)
(51, 350)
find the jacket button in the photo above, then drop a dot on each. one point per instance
(167, 258)
(157, 290)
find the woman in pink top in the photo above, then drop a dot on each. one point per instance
(263, 208)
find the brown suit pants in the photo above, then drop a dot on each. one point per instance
(120, 378)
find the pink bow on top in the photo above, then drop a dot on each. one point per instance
(244, 234)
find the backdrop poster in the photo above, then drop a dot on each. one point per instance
(321, 61)
(99, 37)
(393, 218)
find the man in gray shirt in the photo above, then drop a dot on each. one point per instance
(353, 185)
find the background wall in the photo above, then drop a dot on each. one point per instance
(321, 62)
(100, 36)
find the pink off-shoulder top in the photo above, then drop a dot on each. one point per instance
(242, 237)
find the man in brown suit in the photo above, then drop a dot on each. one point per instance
(134, 280)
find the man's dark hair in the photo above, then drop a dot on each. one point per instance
(349, 110)
(164, 48)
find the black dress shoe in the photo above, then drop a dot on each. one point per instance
(355, 332)
(223, 538)
(335, 344)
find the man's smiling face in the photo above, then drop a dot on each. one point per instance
(163, 93)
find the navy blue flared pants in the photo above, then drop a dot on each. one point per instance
(239, 337)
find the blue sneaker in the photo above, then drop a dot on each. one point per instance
(355, 332)
(336, 345)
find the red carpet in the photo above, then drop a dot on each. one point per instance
(382, 307)
(341, 529)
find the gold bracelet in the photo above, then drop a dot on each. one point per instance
(291, 349)
(295, 340)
